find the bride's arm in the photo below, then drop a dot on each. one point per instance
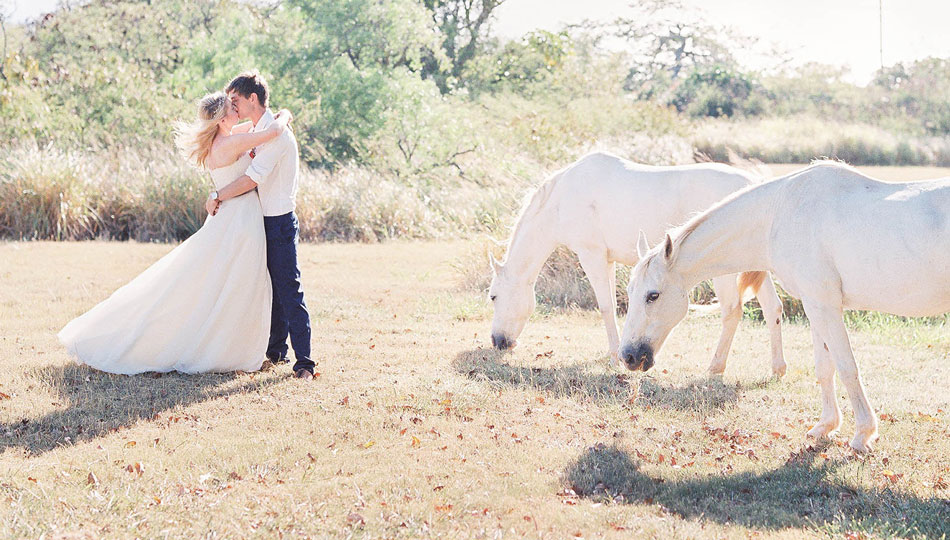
(243, 127)
(237, 144)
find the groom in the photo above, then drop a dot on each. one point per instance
(273, 171)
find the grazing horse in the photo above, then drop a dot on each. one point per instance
(592, 207)
(834, 238)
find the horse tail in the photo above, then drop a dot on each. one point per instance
(750, 281)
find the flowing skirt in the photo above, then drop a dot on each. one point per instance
(204, 307)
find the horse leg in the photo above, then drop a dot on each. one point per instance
(612, 285)
(599, 273)
(730, 305)
(830, 419)
(772, 313)
(835, 336)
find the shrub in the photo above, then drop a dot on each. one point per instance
(718, 91)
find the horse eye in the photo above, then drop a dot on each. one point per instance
(493, 297)
(651, 297)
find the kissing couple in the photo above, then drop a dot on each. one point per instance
(228, 297)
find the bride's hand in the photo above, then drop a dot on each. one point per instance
(284, 113)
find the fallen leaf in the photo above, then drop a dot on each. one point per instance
(892, 476)
(130, 444)
(367, 444)
(92, 480)
(355, 519)
(415, 441)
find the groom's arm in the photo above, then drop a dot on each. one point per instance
(268, 155)
(263, 163)
(235, 189)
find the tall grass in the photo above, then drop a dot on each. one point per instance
(51, 194)
(799, 139)
(469, 178)
(151, 195)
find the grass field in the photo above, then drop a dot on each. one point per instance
(415, 430)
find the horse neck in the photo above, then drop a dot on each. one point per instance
(531, 244)
(732, 238)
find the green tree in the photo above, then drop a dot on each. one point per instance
(464, 26)
(717, 91)
(667, 41)
(338, 60)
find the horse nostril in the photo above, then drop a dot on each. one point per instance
(499, 341)
(644, 354)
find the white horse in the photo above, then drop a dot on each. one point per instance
(592, 207)
(833, 237)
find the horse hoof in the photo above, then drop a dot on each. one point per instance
(860, 446)
(779, 372)
(861, 443)
(820, 431)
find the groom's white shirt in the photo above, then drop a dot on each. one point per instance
(274, 168)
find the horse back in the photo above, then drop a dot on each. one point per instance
(606, 200)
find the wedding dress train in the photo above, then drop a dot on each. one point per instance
(204, 307)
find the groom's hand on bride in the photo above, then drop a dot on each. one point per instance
(212, 205)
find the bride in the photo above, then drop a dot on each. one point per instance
(204, 307)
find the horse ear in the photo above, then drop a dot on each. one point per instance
(642, 245)
(668, 249)
(495, 265)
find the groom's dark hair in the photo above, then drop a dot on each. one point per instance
(247, 83)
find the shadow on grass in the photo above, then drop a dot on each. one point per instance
(97, 403)
(700, 394)
(798, 494)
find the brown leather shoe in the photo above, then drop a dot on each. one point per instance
(303, 374)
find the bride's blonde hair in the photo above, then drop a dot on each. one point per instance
(194, 139)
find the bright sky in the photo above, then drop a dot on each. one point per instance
(840, 32)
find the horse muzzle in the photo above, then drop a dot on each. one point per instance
(637, 357)
(501, 342)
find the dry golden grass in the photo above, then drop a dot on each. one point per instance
(413, 429)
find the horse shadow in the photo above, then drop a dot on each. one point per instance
(578, 381)
(97, 403)
(798, 494)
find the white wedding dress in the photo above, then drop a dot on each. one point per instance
(204, 307)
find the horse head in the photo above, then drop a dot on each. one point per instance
(657, 302)
(513, 298)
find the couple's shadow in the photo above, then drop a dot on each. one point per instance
(91, 403)
(579, 381)
(799, 494)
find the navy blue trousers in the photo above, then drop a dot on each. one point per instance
(289, 314)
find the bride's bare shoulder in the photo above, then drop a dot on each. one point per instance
(220, 154)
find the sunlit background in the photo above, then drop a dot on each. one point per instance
(841, 32)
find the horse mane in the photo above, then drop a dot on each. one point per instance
(679, 234)
(533, 201)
